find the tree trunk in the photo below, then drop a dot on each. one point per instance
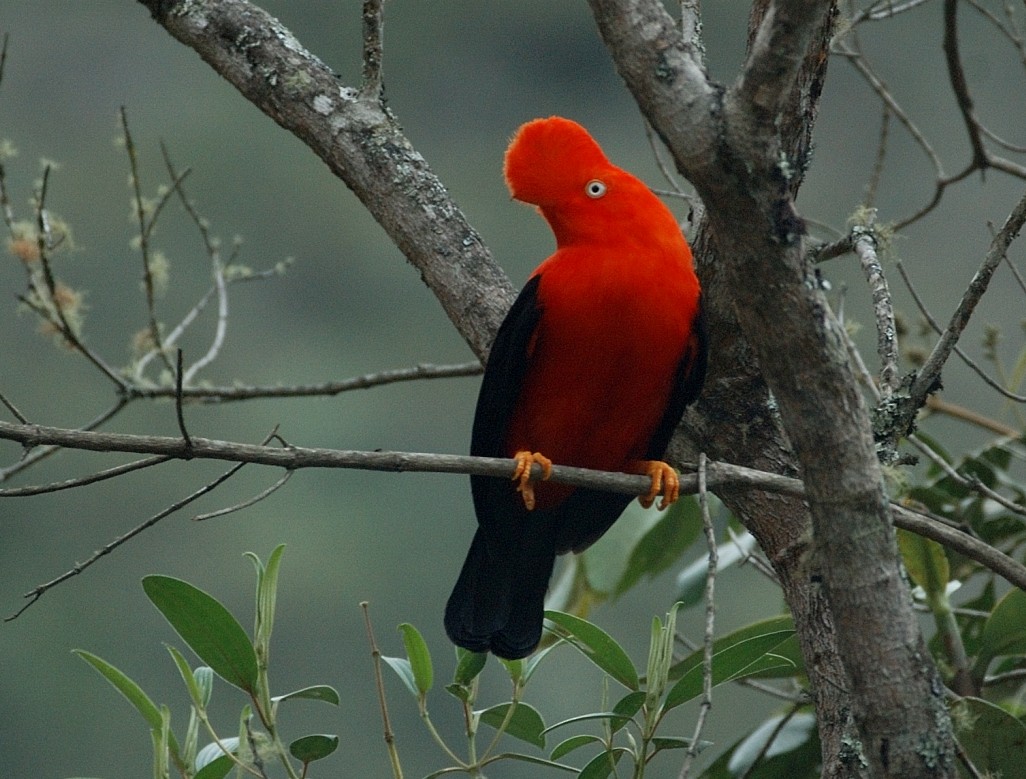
(745, 149)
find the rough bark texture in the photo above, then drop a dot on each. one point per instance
(745, 149)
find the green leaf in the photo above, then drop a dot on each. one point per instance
(266, 594)
(627, 707)
(197, 694)
(218, 768)
(212, 753)
(753, 655)
(468, 666)
(760, 628)
(319, 692)
(419, 656)
(208, 628)
(612, 716)
(602, 765)
(598, 646)
(794, 752)
(564, 748)
(134, 694)
(926, 563)
(644, 544)
(525, 723)
(662, 742)
(1004, 633)
(531, 663)
(993, 738)
(313, 747)
(404, 671)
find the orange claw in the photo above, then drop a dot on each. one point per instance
(665, 483)
(522, 473)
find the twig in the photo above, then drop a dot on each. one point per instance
(246, 503)
(45, 451)
(82, 481)
(881, 156)
(179, 414)
(373, 29)
(3, 55)
(764, 750)
(864, 245)
(13, 409)
(969, 482)
(928, 377)
(379, 683)
(958, 350)
(955, 411)
(144, 238)
(956, 75)
(208, 394)
(710, 620)
(36, 593)
(885, 9)
(44, 240)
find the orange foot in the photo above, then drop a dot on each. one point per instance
(525, 460)
(665, 483)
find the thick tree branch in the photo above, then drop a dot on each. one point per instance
(360, 142)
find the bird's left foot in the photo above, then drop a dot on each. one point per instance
(522, 474)
(665, 483)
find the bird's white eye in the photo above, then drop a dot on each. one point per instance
(595, 188)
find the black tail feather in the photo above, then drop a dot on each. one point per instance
(498, 600)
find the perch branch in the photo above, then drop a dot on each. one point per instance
(718, 475)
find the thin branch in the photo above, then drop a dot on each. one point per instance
(45, 242)
(207, 394)
(93, 478)
(710, 621)
(764, 750)
(373, 30)
(969, 482)
(881, 156)
(929, 376)
(144, 238)
(955, 411)
(959, 85)
(864, 246)
(958, 350)
(36, 593)
(3, 55)
(265, 493)
(40, 453)
(13, 409)
(179, 414)
(718, 475)
(885, 9)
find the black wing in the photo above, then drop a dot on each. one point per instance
(500, 388)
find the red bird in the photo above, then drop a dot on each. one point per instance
(592, 367)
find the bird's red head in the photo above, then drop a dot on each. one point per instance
(551, 159)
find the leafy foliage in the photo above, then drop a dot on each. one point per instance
(219, 641)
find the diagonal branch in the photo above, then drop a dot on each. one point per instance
(359, 140)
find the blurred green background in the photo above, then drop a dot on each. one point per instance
(461, 75)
